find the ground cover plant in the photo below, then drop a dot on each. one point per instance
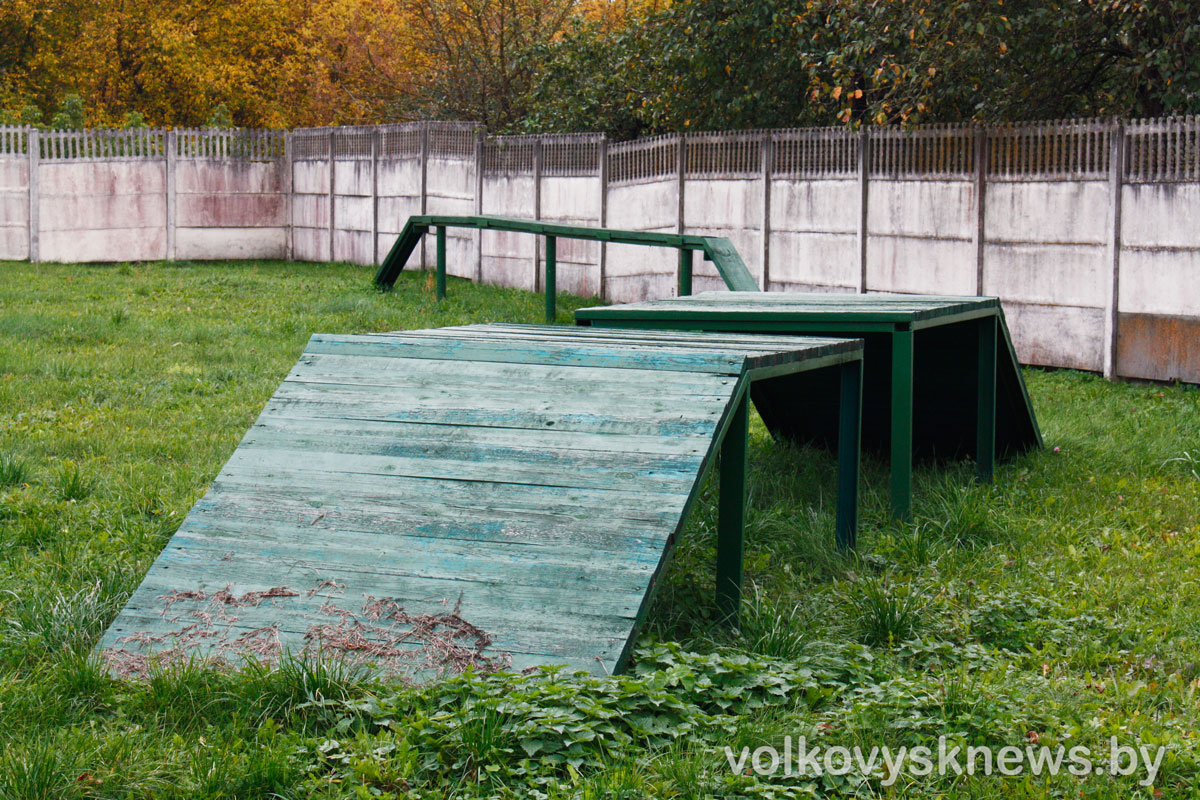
(1059, 605)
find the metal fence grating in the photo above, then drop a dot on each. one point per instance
(400, 141)
(643, 159)
(1163, 150)
(1061, 149)
(353, 143)
(310, 144)
(509, 155)
(942, 151)
(815, 153)
(571, 154)
(724, 155)
(452, 140)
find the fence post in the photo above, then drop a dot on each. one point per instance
(332, 193)
(768, 145)
(864, 169)
(981, 170)
(537, 211)
(424, 182)
(479, 203)
(33, 145)
(680, 180)
(172, 154)
(603, 151)
(1116, 175)
(375, 196)
(289, 150)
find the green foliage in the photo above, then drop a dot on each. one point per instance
(714, 64)
(886, 614)
(135, 120)
(13, 471)
(220, 117)
(71, 115)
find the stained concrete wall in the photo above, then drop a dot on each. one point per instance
(1045, 257)
(230, 209)
(14, 208)
(642, 273)
(102, 210)
(814, 235)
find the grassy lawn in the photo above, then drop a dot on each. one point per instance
(1060, 605)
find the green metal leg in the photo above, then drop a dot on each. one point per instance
(985, 420)
(551, 277)
(849, 431)
(902, 423)
(441, 262)
(731, 511)
(686, 259)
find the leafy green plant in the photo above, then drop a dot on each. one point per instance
(13, 471)
(885, 613)
(72, 484)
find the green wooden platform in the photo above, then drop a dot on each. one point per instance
(941, 376)
(495, 494)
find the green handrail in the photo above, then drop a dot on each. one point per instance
(717, 249)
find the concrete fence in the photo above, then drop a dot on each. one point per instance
(1089, 230)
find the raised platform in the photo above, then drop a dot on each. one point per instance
(495, 495)
(941, 376)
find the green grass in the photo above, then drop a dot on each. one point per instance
(1060, 603)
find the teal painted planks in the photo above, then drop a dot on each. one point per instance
(520, 488)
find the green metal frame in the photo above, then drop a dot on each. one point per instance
(719, 250)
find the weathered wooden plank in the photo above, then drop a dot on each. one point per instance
(478, 490)
(421, 372)
(257, 459)
(671, 424)
(387, 346)
(450, 451)
(416, 433)
(516, 523)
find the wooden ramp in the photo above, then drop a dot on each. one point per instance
(497, 495)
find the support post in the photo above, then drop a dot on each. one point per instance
(34, 146)
(864, 182)
(849, 435)
(981, 164)
(680, 181)
(985, 415)
(537, 209)
(731, 511)
(441, 262)
(551, 277)
(171, 143)
(1112, 302)
(375, 196)
(603, 155)
(686, 262)
(902, 422)
(768, 164)
(479, 203)
(289, 169)
(424, 186)
(332, 193)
